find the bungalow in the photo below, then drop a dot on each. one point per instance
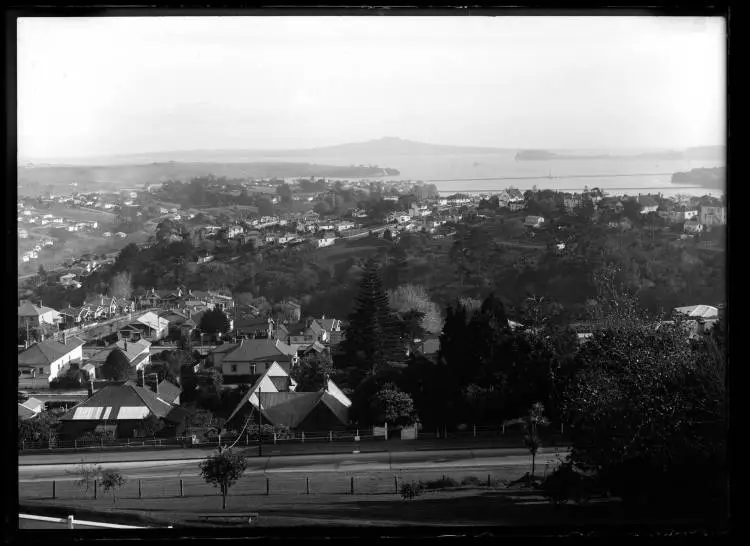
(343, 226)
(256, 327)
(74, 315)
(46, 360)
(533, 221)
(274, 394)
(137, 353)
(120, 410)
(102, 306)
(153, 326)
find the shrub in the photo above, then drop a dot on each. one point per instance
(411, 490)
(471, 480)
(440, 483)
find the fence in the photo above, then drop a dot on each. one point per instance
(71, 523)
(269, 485)
(471, 432)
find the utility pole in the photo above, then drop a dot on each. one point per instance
(260, 424)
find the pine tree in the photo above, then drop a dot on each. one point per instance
(373, 338)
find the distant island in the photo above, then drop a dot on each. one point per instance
(705, 177)
(713, 153)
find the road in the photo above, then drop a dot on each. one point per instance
(309, 464)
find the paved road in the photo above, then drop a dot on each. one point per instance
(370, 462)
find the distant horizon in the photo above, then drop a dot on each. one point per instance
(323, 148)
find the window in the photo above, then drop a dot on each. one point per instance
(41, 370)
(234, 368)
(268, 365)
(252, 369)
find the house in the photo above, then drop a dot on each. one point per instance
(102, 306)
(72, 316)
(137, 353)
(119, 410)
(121, 234)
(713, 216)
(647, 204)
(106, 234)
(701, 317)
(533, 221)
(169, 392)
(252, 356)
(153, 326)
(344, 225)
(275, 395)
(47, 360)
(32, 316)
(68, 279)
(255, 327)
(327, 240)
(572, 203)
(23, 234)
(692, 226)
(204, 259)
(680, 215)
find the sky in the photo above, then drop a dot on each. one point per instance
(99, 86)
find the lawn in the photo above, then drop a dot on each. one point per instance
(80, 214)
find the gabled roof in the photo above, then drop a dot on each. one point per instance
(133, 348)
(25, 413)
(250, 350)
(153, 321)
(281, 383)
(699, 311)
(288, 408)
(119, 402)
(71, 311)
(168, 391)
(28, 309)
(34, 404)
(647, 201)
(46, 352)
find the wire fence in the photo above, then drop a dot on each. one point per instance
(276, 484)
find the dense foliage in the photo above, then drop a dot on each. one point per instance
(222, 470)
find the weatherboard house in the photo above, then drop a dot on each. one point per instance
(274, 395)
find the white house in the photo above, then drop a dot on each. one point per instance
(44, 361)
(326, 241)
(692, 226)
(533, 221)
(33, 316)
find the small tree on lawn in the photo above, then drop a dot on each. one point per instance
(112, 480)
(86, 474)
(222, 470)
(393, 406)
(531, 422)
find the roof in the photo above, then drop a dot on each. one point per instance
(168, 391)
(281, 383)
(119, 402)
(46, 352)
(288, 408)
(132, 348)
(28, 309)
(249, 350)
(25, 413)
(699, 311)
(34, 404)
(153, 321)
(71, 311)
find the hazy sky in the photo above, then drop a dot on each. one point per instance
(90, 86)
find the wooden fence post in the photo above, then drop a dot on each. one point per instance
(330, 436)
(503, 429)
(303, 437)
(489, 480)
(307, 485)
(274, 437)
(53, 489)
(75, 444)
(71, 525)
(94, 489)
(140, 496)
(352, 485)
(395, 483)
(268, 488)
(475, 431)
(23, 444)
(181, 492)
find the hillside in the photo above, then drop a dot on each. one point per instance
(114, 176)
(706, 178)
(715, 153)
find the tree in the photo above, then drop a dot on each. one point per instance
(409, 297)
(313, 371)
(285, 192)
(648, 408)
(223, 470)
(393, 406)
(531, 422)
(373, 337)
(86, 473)
(265, 207)
(151, 424)
(121, 286)
(112, 480)
(117, 366)
(214, 321)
